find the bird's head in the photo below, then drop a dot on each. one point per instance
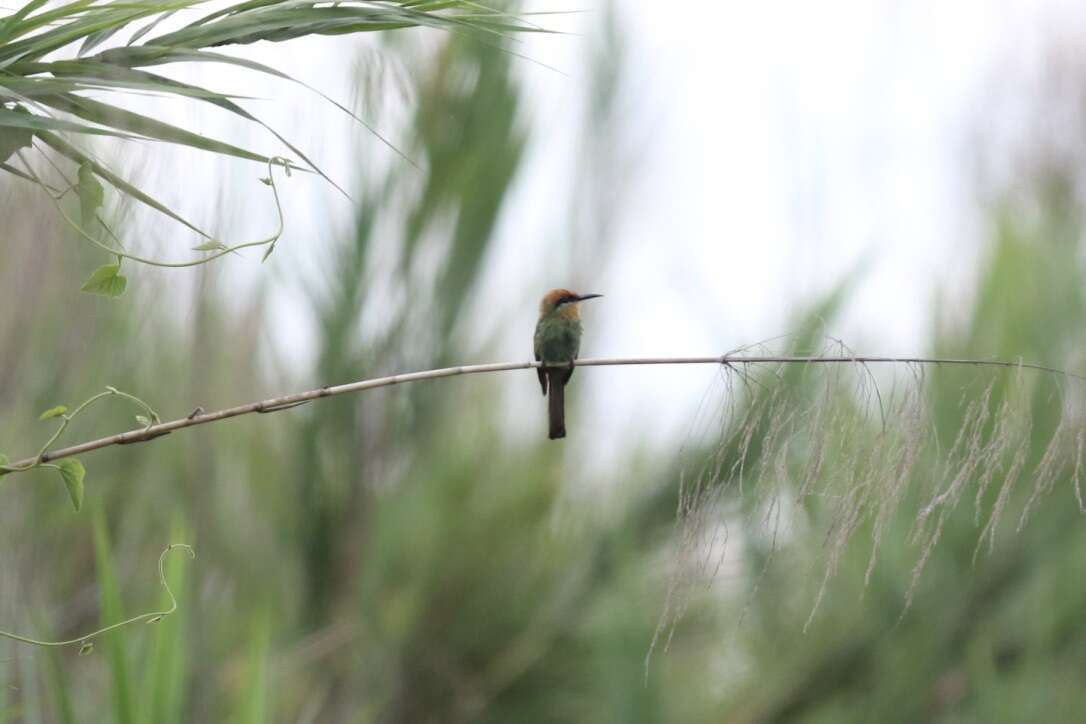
(563, 303)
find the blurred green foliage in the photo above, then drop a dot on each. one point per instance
(398, 556)
(382, 558)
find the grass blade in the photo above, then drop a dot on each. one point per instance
(157, 55)
(15, 119)
(164, 697)
(110, 115)
(112, 612)
(149, 27)
(7, 28)
(141, 79)
(253, 706)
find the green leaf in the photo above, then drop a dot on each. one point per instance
(12, 139)
(87, 648)
(30, 88)
(145, 126)
(91, 74)
(15, 18)
(71, 29)
(106, 281)
(213, 245)
(14, 119)
(152, 55)
(53, 412)
(91, 194)
(143, 420)
(93, 40)
(148, 28)
(73, 473)
(69, 151)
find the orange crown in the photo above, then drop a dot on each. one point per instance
(567, 302)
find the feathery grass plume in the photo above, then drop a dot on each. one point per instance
(839, 451)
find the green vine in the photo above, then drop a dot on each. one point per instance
(71, 470)
(86, 642)
(91, 196)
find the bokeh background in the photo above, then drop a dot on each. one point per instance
(904, 177)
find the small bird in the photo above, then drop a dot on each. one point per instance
(558, 339)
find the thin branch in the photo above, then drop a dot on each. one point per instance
(276, 404)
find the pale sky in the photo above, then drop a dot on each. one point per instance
(788, 143)
(776, 145)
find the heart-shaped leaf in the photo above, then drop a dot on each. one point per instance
(107, 281)
(73, 473)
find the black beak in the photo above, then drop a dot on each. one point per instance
(583, 297)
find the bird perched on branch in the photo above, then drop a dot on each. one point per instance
(558, 339)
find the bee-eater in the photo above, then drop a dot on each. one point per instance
(558, 339)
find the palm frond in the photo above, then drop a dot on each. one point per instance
(51, 55)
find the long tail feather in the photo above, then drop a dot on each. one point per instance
(556, 403)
